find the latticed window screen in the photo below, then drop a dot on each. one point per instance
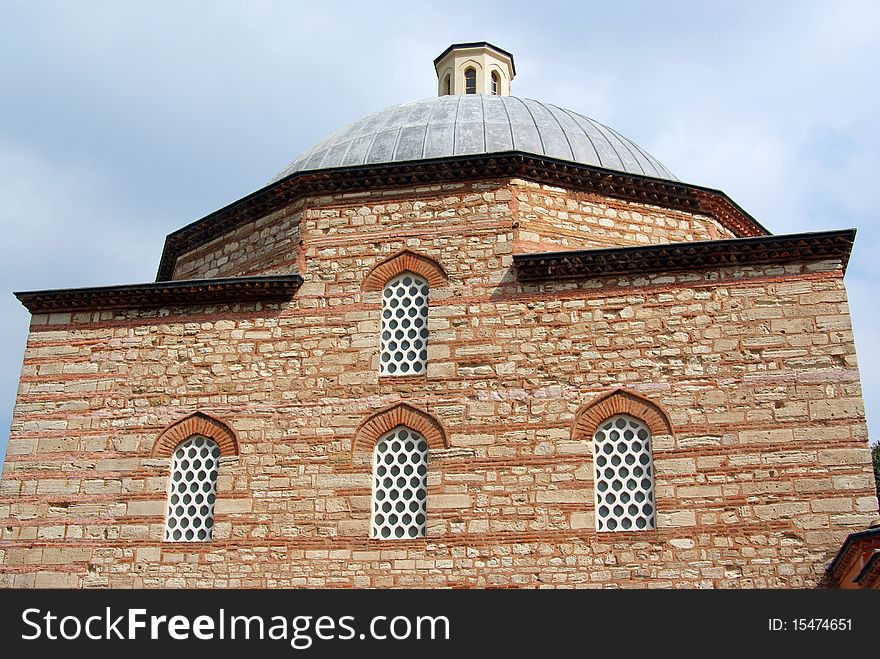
(404, 341)
(400, 470)
(624, 475)
(192, 491)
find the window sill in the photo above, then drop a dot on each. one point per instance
(629, 535)
(387, 379)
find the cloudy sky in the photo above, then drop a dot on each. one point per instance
(120, 122)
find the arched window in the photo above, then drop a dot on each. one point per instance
(192, 490)
(404, 339)
(624, 473)
(470, 81)
(447, 84)
(400, 473)
(496, 84)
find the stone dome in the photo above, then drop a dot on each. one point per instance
(458, 125)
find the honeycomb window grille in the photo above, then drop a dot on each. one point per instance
(400, 472)
(624, 473)
(404, 340)
(192, 490)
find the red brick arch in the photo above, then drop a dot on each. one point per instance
(404, 261)
(197, 423)
(620, 401)
(386, 420)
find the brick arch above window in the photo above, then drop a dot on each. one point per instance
(389, 418)
(620, 401)
(197, 423)
(404, 261)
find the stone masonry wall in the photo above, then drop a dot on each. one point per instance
(554, 219)
(543, 218)
(267, 246)
(766, 471)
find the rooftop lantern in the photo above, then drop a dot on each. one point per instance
(474, 68)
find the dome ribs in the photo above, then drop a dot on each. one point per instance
(672, 257)
(513, 164)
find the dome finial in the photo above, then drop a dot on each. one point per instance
(474, 68)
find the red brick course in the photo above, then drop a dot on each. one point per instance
(197, 423)
(405, 260)
(619, 401)
(386, 420)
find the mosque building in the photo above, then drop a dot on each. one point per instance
(473, 340)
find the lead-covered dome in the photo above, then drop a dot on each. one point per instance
(459, 125)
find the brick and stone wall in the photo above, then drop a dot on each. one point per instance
(555, 219)
(765, 470)
(540, 217)
(265, 246)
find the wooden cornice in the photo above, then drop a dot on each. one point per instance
(852, 545)
(190, 292)
(671, 257)
(869, 575)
